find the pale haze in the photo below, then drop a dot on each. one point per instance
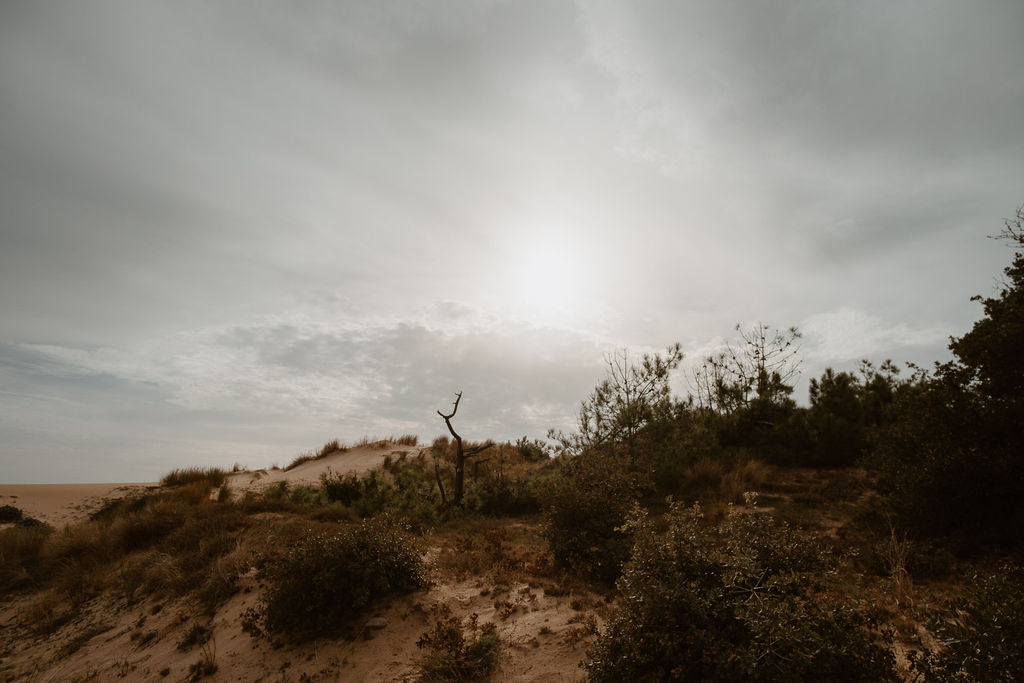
(231, 231)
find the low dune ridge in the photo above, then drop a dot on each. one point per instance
(62, 504)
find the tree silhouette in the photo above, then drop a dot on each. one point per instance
(461, 454)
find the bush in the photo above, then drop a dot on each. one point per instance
(322, 584)
(508, 497)
(9, 513)
(587, 504)
(731, 603)
(983, 641)
(452, 656)
(213, 476)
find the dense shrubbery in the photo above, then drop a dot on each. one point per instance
(324, 582)
(737, 602)
(950, 457)
(983, 640)
(586, 507)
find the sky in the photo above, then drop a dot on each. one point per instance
(232, 231)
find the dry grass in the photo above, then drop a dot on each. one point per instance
(329, 448)
(896, 557)
(189, 475)
(704, 475)
(744, 477)
(300, 459)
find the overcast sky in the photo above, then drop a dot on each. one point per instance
(230, 231)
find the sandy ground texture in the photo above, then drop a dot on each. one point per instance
(544, 627)
(358, 460)
(544, 637)
(61, 504)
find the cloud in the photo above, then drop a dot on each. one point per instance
(847, 334)
(295, 380)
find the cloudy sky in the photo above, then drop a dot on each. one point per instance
(230, 231)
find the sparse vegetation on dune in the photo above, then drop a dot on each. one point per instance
(214, 476)
(456, 653)
(738, 535)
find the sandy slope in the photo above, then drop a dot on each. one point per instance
(541, 625)
(60, 504)
(358, 460)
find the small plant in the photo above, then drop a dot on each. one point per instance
(407, 440)
(896, 558)
(452, 655)
(197, 634)
(322, 584)
(207, 664)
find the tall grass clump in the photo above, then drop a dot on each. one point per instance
(324, 583)
(736, 602)
(212, 476)
(20, 549)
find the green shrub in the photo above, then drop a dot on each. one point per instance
(322, 584)
(452, 656)
(983, 640)
(732, 603)
(341, 488)
(586, 506)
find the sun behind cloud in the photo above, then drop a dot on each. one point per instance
(547, 283)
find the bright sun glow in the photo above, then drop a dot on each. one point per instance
(547, 287)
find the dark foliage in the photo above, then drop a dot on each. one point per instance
(586, 506)
(323, 584)
(950, 458)
(983, 641)
(9, 513)
(736, 602)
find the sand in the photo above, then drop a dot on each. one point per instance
(542, 629)
(61, 504)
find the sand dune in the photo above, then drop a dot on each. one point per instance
(61, 504)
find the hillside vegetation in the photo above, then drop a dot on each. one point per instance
(732, 535)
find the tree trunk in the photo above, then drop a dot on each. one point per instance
(461, 455)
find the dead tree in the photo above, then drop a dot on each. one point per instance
(461, 454)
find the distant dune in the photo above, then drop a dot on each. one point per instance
(61, 504)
